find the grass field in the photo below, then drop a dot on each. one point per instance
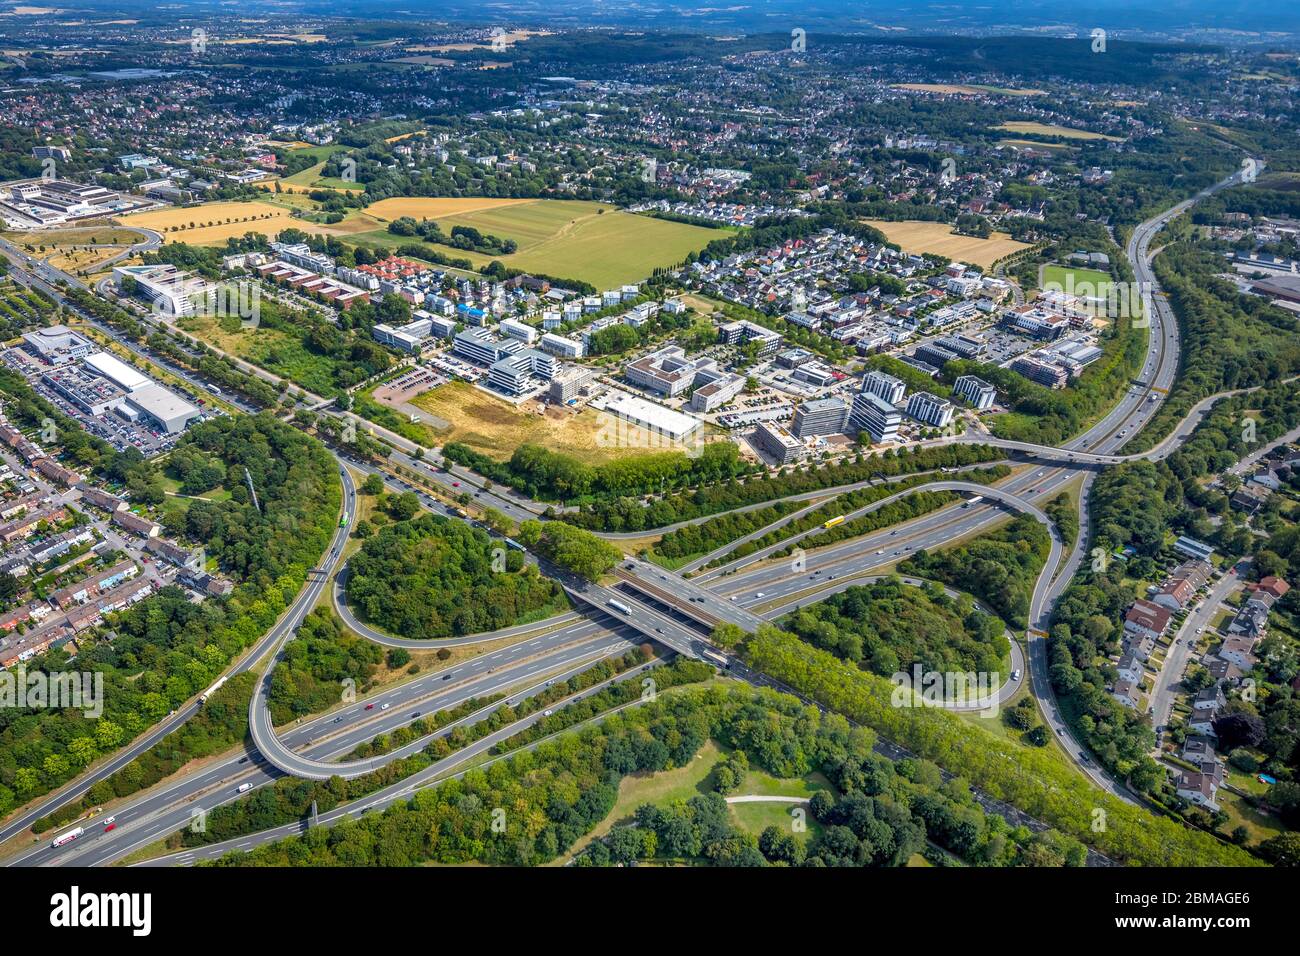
(1025, 128)
(494, 427)
(275, 350)
(1092, 286)
(569, 238)
(939, 239)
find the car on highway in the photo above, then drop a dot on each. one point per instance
(370, 706)
(547, 713)
(384, 706)
(1015, 675)
(108, 822)
(244, 788)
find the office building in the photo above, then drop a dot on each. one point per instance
(929, 409)
(776, 441)
(975, 391)
(825, 416)
(885, 386)
(875, 416)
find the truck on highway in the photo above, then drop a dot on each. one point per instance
(619, 606)
(203, 698)
(714, 657)
(838, 519)
(64, 839)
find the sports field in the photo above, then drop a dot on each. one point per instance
(1043, 129)
(937, 238)
(569, 238)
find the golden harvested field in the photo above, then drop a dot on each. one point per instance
(1043, 129)
(214, 223)
(424, 207)
(965, 88)
(939, 239)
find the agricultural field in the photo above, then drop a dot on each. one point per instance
(938, 239)
(213, 223)
(1025, 128)
(457, 411)
(568, 238)
(965, 88)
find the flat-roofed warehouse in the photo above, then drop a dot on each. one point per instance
(117, 371)
(655, 418)
(166, 409)
(145, 398)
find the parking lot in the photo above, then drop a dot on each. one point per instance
(113, 429)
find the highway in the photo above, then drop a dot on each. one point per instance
(156, 815)
(1103, 439)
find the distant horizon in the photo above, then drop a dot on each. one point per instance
(1237, 21)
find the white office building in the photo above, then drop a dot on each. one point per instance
(886, 386)
(875, 416)
(562, 346)
(929, 409)
(976, 391)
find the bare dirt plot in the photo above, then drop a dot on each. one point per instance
(938, 239)
(495, 427)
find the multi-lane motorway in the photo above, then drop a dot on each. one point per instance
(741, 596)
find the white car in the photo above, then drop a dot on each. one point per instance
(547, 713)
(384, 706)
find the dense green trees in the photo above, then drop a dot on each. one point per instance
(1041, 785)
(627, 513)
(1000, 568)
(888, 626)
(430, 577)
(309, 678)
(572, 548)
(1229, 340)
(163, 650)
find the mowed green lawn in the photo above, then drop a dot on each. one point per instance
(574, 240)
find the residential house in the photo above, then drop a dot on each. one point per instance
(1201, 787)
(1146, 620)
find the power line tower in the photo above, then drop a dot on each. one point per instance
(248, 478)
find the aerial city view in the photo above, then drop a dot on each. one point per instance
(583, 436)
